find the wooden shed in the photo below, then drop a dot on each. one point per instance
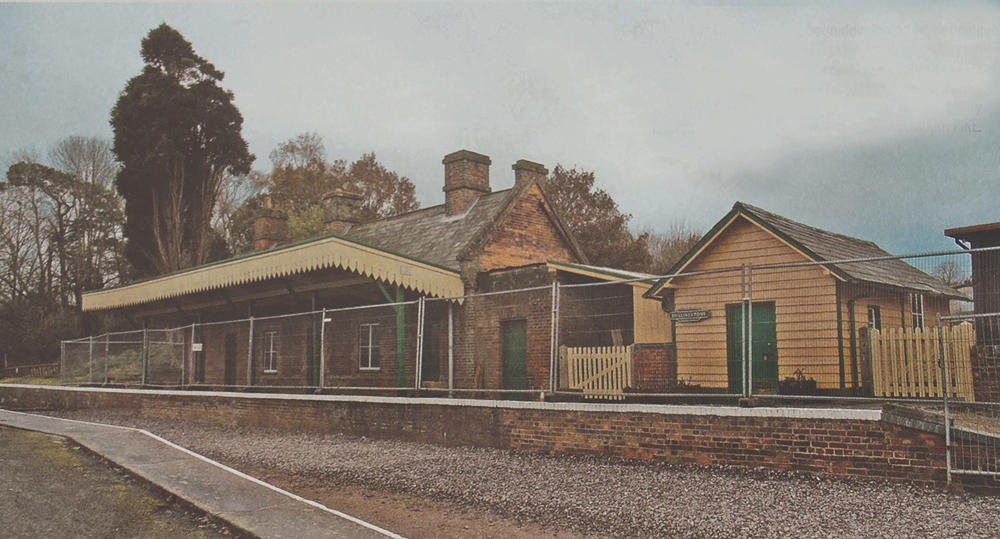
(805, 313)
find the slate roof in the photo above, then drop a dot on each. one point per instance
(821, 246)
(430, 235)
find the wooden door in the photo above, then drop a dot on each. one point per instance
(763, 353)
(514, 353)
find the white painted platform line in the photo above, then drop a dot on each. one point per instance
(296, 497)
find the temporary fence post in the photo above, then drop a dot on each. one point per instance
(451, 349)
(191, 355)
(420, 342)
(62, 362)
(107, 350)
(250, 356)
(944, 392)
(184, 359)
(750, 330)
(90, 363)
(743, 329)
(145, 354)
(553, 346)
(322, 350)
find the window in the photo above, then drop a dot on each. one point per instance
(917, 310)
(874, 317)
(271, 351)
(368, 348)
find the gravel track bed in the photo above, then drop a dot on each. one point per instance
(600, 496)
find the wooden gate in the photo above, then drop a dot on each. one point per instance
(600, 372)
(905, 362)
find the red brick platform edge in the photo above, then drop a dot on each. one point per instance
(869, 444)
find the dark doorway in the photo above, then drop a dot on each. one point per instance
(229, 377)
(431, 369)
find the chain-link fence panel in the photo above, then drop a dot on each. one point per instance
(286, 351)
(973, 404)
(865, 327)
(166, 351)
(500, 344)
(76, 363)
(371, 347)
(597, 346)
(709, 313)
(124, 358)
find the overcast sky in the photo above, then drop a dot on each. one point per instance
(880, 121)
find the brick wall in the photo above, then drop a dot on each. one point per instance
(837, 443)
(527, 235)
(985, 374)
(654, 368)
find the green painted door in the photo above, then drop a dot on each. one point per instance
(764, 351)
(514, 353)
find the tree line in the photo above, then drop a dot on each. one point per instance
(175, 188)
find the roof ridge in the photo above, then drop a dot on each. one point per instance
(420, 210)
(759, 210)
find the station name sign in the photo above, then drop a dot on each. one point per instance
(690, 315)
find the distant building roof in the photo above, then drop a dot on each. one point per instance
(821, 246)
(973, 232)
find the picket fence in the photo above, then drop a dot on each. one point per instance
(905, 362)
(602, 372)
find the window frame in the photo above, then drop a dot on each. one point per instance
(875, 322)
(917, 311)
(269, 352)
(368, 348)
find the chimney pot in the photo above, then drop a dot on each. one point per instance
(341, 210)
(466, 177)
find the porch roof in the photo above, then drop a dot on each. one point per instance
(603, 273)
(316, 254)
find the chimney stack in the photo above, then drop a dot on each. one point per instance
(526, 171)
(270, 228)
(466, 177)
(341, 210)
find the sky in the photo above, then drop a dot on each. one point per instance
(879, 120)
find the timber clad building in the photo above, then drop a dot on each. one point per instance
(477, 241)
(807, 316)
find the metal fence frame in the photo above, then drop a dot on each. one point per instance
(748, 273)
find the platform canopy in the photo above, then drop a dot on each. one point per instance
(295, 259)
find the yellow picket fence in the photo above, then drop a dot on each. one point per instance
(905, 362)
(601, 372)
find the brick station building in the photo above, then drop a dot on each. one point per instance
(478, 241)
